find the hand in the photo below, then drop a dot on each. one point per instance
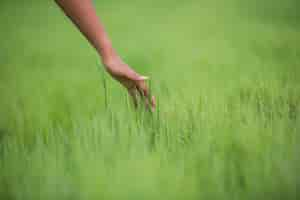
(93, 30)
(132, 81)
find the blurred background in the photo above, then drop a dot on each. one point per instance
(227, 72)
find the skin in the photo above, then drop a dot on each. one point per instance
(83, 14)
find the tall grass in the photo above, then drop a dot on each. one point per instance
(226, 76)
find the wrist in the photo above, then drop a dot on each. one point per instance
(111, 60)
(107, 52)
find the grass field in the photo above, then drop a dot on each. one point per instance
(226, 74)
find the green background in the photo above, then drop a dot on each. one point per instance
(226, 75)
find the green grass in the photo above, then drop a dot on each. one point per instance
(226, 75)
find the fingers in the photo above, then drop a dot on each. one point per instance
(143, 90)
(135, 83)
(153, 102)
(133, 93)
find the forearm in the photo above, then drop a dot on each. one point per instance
(82, 13)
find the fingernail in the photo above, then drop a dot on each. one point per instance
(153, 101)
(144, 77)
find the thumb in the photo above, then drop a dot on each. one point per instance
(142, 78)
(132, 75)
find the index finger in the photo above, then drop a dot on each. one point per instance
(145, 92)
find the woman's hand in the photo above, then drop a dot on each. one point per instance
(132, 81)
(83, 15)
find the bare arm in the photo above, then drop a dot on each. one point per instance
(82, 13)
